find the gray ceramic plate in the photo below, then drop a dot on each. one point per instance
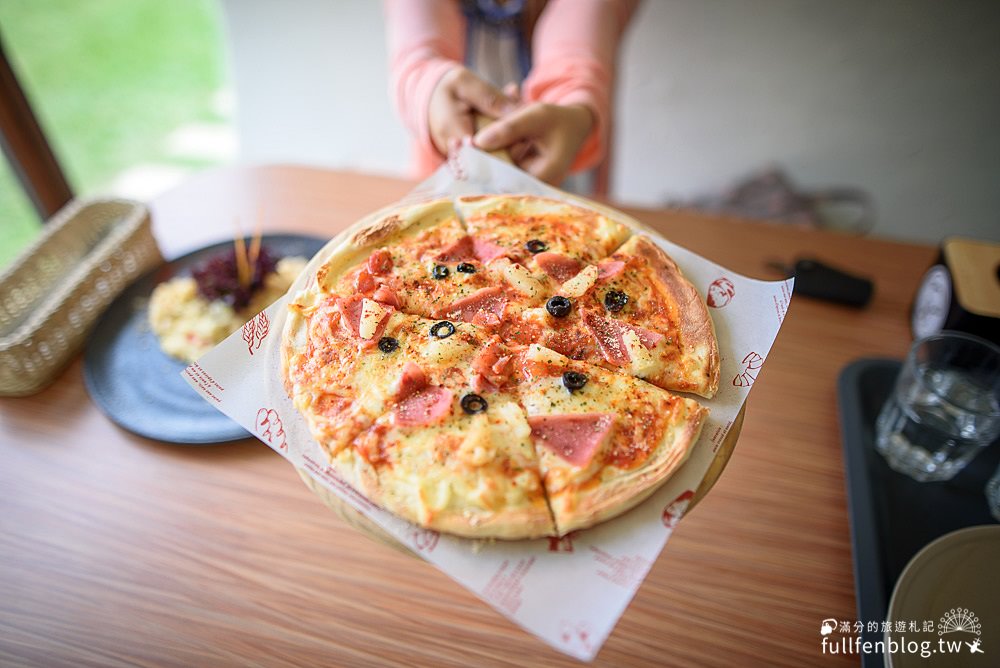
(137, 385)
(953, 583)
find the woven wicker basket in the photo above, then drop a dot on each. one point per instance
(55, 290)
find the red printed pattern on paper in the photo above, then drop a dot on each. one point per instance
(562, 543)
(720, 292)
(255, 330)
(675, 510)
(575, 633)
(270, 428)
(425, 540)
(748, 370)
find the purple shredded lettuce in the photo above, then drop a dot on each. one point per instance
(217, 278)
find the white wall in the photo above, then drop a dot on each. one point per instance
(900, 97)
(311, 84)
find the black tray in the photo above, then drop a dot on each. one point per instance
(892, 515)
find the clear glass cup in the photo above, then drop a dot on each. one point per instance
(945, 407)
(993, 494)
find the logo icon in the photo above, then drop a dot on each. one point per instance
(255, 330)
(828, 626)
(425, 540)
(959, 619)
(270, 428)
(720, 292)
(748, 370)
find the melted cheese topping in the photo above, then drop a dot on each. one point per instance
(476, 465)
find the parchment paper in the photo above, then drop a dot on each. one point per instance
(569, 592)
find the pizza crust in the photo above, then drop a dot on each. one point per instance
(606, 230)
(611, 498)
(699, 344)
(387, 228)
(584, 493)
(550, 515)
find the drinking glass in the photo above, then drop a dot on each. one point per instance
(993, 494)
(945, 406)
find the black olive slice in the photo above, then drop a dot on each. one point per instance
(387, 344)
(473, 403)
(574, 380)
(466, 268)
(615, 300)
(440, 271)
(559, 306)
(442, 330)
(536, 246)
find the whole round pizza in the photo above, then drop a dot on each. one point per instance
(500, 366)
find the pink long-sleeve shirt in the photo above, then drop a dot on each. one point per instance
(573, 54)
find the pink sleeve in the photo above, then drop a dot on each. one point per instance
(573, 62)
(426, 38)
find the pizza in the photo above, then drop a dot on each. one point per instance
(500, 366)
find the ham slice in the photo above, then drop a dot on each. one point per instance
(607, 269)
(387, 295)
(331, 405)
(364, 282)
(486, 250)
(492, 365)
(482, 385)
(380, 262)
(484, 307)
(609, 335)
(648, 337)
(424, 407)
(351, 310)
(459, 251)
(574, 438)
(470, 248)
(560, 267)
(417, 403)
(411, 380)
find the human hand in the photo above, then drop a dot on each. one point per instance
(542, 139)
(458, 97)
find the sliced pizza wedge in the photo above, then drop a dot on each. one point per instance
(325, 341)
(418, 413)
(422, 261)
(540, 242)
(605, 441)
(634, 312)
(409, 260)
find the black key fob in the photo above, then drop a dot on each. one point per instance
(815, 279)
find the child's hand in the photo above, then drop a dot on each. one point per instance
(456, 100)
(543, 139)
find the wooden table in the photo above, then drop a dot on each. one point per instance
(117, 550)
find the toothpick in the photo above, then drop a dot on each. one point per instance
(255, 243)
(242, 270)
